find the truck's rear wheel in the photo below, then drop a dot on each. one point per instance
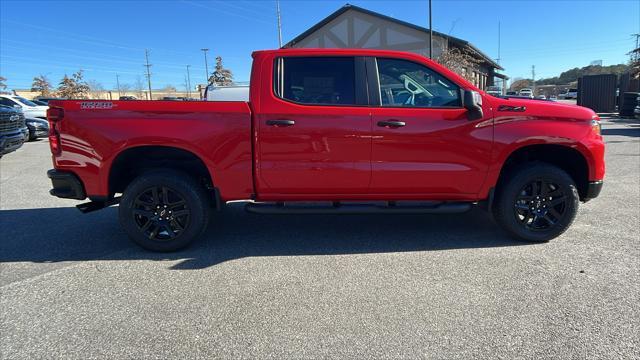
(537, 202)
(164, 210)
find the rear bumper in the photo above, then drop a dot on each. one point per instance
(593, 190)
(66, 185)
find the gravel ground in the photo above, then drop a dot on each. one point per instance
(455, 287)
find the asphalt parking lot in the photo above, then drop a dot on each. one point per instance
(455, 287)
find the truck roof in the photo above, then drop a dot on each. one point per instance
(365, 52)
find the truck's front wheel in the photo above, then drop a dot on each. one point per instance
(164, 210)
(537, 202)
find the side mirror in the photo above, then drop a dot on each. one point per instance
(472, 101)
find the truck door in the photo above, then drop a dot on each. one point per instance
(314, 129)
(423, 141)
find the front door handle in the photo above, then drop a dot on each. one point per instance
(280, 123)
(391, 123)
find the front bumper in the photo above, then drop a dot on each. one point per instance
(11, 142)
(593, 190)
(38, 128)
(66, 185)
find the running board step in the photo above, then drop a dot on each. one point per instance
(341, 208)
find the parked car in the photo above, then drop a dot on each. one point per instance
(29, 109)
(526, 92)
(541, 97)
(553, 98)
(38, 102)
(12, 129)
(494, 90)
(38, 128)
(570, 94)
(128, 98)
(512, 93)
(393, 131)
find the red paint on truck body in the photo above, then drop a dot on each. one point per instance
(332, 152)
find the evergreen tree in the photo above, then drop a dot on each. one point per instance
(221, 76)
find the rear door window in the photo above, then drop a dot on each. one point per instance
(316, 80)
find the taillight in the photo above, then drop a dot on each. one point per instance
(54, 115)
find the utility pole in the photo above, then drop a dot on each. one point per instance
(188, 82)
(279, 24)
(148, 66)
(206, 66)
(118, 85)
(430, 34)
(498, 59)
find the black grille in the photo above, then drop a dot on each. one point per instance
(11, 122)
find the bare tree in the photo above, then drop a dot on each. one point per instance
(460, 61)
(42, 86)
(139, 87)
(95, 86)
(221, 76)
(124, 88)
(169, 88)
(3, 84)
(73, 87)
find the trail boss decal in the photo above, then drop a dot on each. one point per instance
(96, 105)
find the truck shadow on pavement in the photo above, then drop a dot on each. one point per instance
(64, 234)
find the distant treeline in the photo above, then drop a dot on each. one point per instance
(572, 75)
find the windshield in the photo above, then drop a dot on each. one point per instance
(25, 101)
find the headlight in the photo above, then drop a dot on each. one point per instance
(37, 123)
(596, 127)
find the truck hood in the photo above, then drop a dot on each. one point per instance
(539, 109)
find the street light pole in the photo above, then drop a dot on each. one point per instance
(118, 84)
(430, 34)
(206, 66)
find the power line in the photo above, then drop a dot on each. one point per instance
(148, 66)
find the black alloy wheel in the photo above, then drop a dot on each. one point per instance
(540, 205)
(164, 210)
(536, 202)
(160, 213)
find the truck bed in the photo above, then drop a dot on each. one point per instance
(94, 132)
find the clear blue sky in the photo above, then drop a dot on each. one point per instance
(109, 37)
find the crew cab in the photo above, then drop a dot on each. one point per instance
(329, 131)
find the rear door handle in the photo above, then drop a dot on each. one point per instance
(391, 123)
(279, 123)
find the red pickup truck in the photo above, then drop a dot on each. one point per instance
(329, 131)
